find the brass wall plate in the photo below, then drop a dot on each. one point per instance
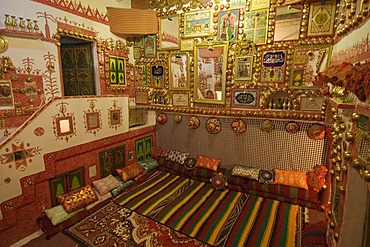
(3, 44)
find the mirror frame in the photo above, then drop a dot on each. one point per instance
(276, 24)
(173, 70)
(209, 49)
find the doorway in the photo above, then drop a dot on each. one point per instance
(77, 66)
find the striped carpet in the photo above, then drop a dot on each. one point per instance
(219, 218)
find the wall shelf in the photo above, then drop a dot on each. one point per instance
(21, 34)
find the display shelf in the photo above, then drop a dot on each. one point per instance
(21, 34)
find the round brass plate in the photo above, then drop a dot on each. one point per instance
(3, 44)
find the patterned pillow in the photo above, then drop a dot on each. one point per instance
(78, 198)
(291, 178)
(208, 163)
(316, 177)
(177, 156)
(266, 176)
(104, 185)
(190, 163)
(58, 215)
(219, 181)
(149, 164)
(130, 172)
(122, 186)
(246, 172)
(157, 152)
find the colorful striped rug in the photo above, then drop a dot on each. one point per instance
(219, 218)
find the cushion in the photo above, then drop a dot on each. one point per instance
(190, 163)
(208, 163)
(291, 178)
(104, 197)
(104, 185)
(219, 181)
(78, 198)
(246, 172)
(157, 152)
(122, 186)
(316, 177)
(266, 176)
(315, 235)
(58, 215)
(177, 156)
(148, 164)
(129, 172)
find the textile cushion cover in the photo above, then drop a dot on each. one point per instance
(104, 185)
(58, 215)
(314, 235)
(177, 156)
(157, 152)
(219, 181)
(78, 198)
(266, 176)
(122, 186)
(148, 164)
(208, 163)
(247, 172)
(174, 167)
(316, 177)
(130, 172)
(291, 178)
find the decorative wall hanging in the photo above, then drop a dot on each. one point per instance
(197, 23)
(256, 24)
(292, 127)
(162, 118)
(312, 103)
(267, 126)
(193, 122)
(308, 62)
(92, 119)
(177, 118)
(117, 68)
(273, 67)
(259, 4)
(178, 71)
(114, 116)
(180, 99)
(6, 95)
(169, 33)
(228, 23)
(321, 20)
(238, 126)
(142, 97)
(243, 68)
(157, 76)
(245, 98)
(187, 44)
(316, 132)
(213, 125)
(64, 123)
(150, 46)
(210, 73)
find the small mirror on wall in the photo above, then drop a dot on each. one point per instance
(210, 73)
(179, 71)
(287, 22)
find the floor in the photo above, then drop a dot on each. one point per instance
(59, 240)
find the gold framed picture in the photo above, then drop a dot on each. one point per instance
(197, 23)
(180, 99)
(168, 35)
(178, 71)
(187, 44)
(243, 68)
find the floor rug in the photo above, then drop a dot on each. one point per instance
(114, 225)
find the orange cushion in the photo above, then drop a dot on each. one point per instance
(291, 178)
(130, 172)
(208, 163)
(78, 198)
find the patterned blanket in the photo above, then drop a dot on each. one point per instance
(216, 217)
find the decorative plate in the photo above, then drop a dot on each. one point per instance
(238, 126)
(193, 122)
(177, 118)
(267, 126)
(316, 132)
(292, 127)
(162, 118)
(213, 125)
(3, 44)
(219, 181)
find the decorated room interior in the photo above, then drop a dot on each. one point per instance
(197, 122)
